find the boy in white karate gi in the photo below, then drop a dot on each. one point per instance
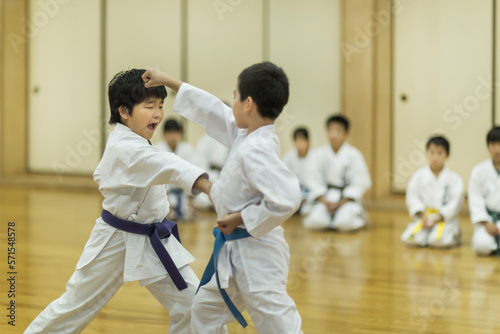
(253, 196)
(434, 197)
(132, 176)
(484, 198)
(338, 180)
(181, 203)
(298, 160)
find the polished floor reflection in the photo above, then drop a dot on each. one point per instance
(342, 283)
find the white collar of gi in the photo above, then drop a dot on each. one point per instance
(269, 127)
(121, 127)
(124, 128)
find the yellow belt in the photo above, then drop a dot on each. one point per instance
(420, 225)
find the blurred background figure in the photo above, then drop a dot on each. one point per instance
(297, 160)
(434, 198)
(338, 180)
(181, 203)
(213, 155)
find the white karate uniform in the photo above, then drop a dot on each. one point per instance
(347, 169)
(483, 195)
(445, 194)
(132, 176)
(300, 167)
(255, 181)
(214, 155)
(176, 196)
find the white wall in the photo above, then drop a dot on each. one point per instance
(64, 92)
(222, 41)
(305, 39)
(143, 34)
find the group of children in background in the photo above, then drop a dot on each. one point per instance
(334, 178)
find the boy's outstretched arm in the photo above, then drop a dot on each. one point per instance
(202, 184)
(152, 78)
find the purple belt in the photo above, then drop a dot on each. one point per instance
(156, 232)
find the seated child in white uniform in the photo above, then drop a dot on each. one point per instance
(297, 160)
(338, 180)
(434, 197)
(484, 199)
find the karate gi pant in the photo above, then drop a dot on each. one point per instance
(448, 237)
(92, 286)
(272, 312)
(349, 217)
(483, 242)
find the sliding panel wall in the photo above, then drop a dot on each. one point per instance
(442, 83)
(64, 87)
(223, 38)
(85, 43)
(143, 34)
(305, 40)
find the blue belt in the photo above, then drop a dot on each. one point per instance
(220, 239)
(156, 232)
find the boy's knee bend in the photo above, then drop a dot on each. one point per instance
(349, 224)
(315, 223)
(445, 242)
(483, 246)
(413, 242)
(317, 219)
(485, 251)
(483, 243)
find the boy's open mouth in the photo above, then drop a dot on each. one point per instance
(152, 126)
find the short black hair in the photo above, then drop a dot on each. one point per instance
(439, 141)
(342, 120)
(493, 135)
(127, 89)
(267, 84)
(171, 125)
(301, 132)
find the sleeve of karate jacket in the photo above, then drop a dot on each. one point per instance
(477, 202)
(413, 201)
(208, 111)
(456, 199)
(359, 178)
(280, 190)
(146, 166)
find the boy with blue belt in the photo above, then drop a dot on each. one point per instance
(131, 240)
(254, 195)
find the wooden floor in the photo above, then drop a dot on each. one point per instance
(342, 283)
